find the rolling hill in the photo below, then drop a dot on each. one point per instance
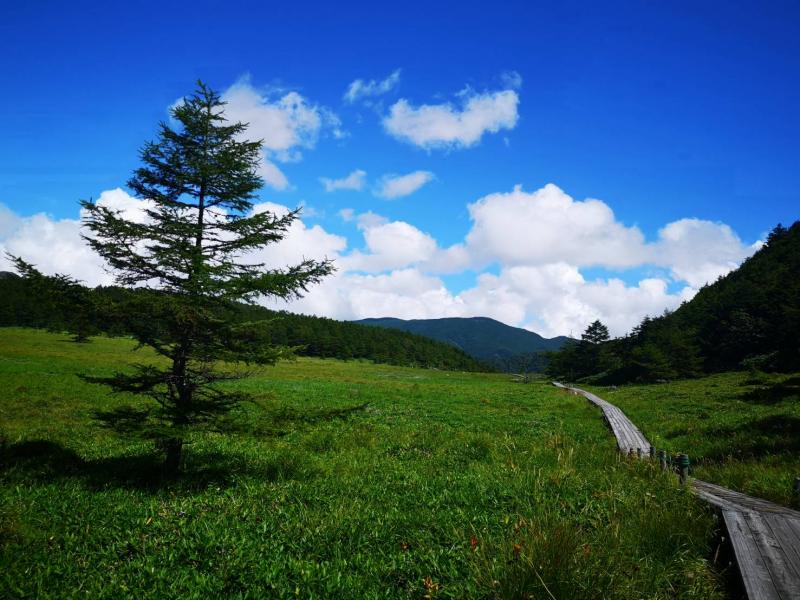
(505, 347)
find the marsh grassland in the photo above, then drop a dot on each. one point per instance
(740, 430)
(343, 480)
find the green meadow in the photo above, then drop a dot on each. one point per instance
(341, 480)
(740, 430)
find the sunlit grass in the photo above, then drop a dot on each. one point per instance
(343, 480)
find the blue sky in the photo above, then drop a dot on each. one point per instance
(664, 112)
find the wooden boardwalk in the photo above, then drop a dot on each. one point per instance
(628, 435)
(765, 536)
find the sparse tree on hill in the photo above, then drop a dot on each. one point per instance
(199, 178)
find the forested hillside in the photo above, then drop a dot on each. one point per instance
(90, 311)
(748, 319)
(506, 348)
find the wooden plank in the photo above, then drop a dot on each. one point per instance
(744, 501)
(775, 558)
(624, 437)
(718, 501)
(632, 436)
(756, 577)
(794, 525)
(782, 530)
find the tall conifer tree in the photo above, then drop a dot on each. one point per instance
(199, 179)
(596, 333)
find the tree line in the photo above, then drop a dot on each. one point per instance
(87, 312)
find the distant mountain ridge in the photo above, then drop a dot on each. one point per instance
(506, 347)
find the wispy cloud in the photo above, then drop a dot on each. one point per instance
(511, 80)
(360, 89)
(354, 181)
(397, 186)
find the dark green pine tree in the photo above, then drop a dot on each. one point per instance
(596, 333)
(199, 179)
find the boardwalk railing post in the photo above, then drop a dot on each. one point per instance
(662, 459)
(797, 485)
(683, 466)
(652, 452)
(639, 453)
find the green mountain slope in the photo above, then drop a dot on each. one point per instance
(753, 312)
(482, 338)
(748, 319)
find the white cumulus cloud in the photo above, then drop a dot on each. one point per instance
(389, 245)
(403, 293)
(551, 300)
(287, 122)
(9, 222)
(353, 181)
(557, 300)
(300, 242)
(433, 126)
(540, 241)
(55, 245)
(272, 174)
(549, 226)
(397, 186)
(698, 251)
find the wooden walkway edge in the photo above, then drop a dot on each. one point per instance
(765, 536)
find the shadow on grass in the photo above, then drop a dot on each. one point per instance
(47, 461)
(123, 419)
(773, 435)
(773, 394)
(275, 422)
(287, 414)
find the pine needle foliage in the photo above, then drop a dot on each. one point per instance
(198, 181)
